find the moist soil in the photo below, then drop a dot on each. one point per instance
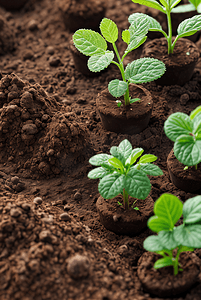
(53, 245)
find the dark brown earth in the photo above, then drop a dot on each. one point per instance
(52, 245)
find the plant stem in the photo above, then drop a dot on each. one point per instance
(196, 166)
(125, 196)
(121, 68)
(176, 261)
(170, 49)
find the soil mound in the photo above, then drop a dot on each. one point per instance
(49, 256)
(37, 134)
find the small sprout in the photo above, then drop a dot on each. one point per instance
(91, 43)
(185, 131)
(119, 103)
(186, 28)
(187, 53)
(119, 173)
(171, 241)
(135, 100)
(185, 168)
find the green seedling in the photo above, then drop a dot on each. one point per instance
(185, 131)
(119, 173)
(186, 28)
(193, 5)
(93, 44)
(171, 241)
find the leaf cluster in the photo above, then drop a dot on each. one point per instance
(119, 170)
(185, 131)
(168, 209)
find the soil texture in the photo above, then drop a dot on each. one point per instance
(52, 244)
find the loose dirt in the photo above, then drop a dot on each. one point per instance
(52, 243)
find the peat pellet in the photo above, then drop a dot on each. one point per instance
(78, 266)
(38, 200)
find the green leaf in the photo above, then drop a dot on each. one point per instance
(126, 36)
(135, 43)
(196, 3)
(153, 24)
(168, 209)
(137, 152)
(134, 100)
(99, 62)
(115, 152)
(195, 112)
(192, 210)
(187, 150)
(173, 3)
(184, 249)
(189, 236)
(153, 244)
(189, 26)
(144, 70)
(137, 184)
(98, 173)
(89, 42)
(139, 25)
(184, 8)
(151, 169)
(111, 185)
(109, 30)
(164, 3)
(197, 123)
(117, 88)
(151, 3)
(98, 159)
(125, 148)
(177, 124)
(167, 240)
(157, 224)
(115, 162)
(199, 8)
(147, 158)
(163, 262)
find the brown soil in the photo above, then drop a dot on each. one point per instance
(49, 127)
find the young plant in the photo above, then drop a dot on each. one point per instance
(185, 131)
(186, 28)
(142, 70)
(120, 174)
(170, 241)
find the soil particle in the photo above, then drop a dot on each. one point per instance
(78, 266)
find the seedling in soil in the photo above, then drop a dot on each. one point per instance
(119, 173)
(187, 27)
(171, 241)
(93, 44)
(193, 5)
(185, 131)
